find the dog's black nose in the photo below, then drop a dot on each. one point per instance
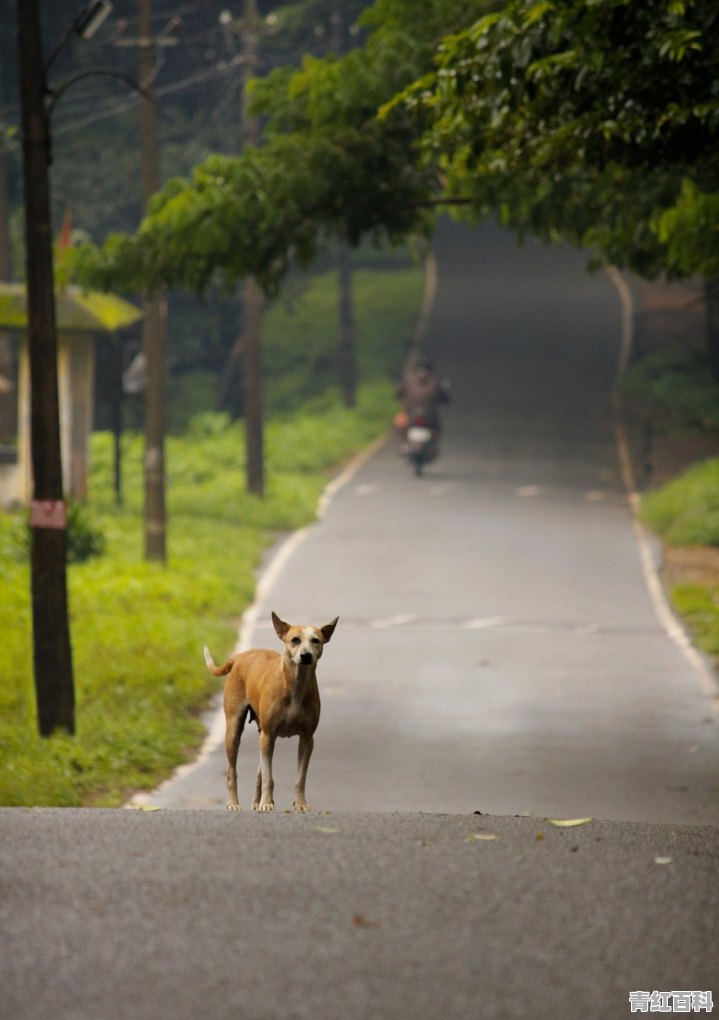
(306, 658)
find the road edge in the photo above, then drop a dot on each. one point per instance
(708, 680)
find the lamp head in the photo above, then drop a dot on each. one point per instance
(89, 21)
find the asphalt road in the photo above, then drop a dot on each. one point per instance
(497, 649)
(497, 652)
(190, 915)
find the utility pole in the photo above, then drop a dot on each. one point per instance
(154, 327)
(346, 360)
(52, 655)
(8, 371)
(253, 303)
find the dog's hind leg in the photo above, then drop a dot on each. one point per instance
(304, 754)
(267, 747)
(235, 724)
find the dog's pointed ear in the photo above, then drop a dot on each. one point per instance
(280, 626)
(328, 630)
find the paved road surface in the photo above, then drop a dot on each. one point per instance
(497, 647)
(211, 916)
(497, 651)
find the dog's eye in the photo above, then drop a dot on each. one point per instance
(315, 641)
(296, 641)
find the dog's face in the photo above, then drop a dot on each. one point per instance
(303, 645)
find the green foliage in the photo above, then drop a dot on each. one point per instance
(678, 389)
(581, 117)
(85, 537)
(686, 511)
(690, 230)
(329, 168)
(384, 305)
(592, 120)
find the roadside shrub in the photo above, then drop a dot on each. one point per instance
(677, 385)
(85, 537)
(686, 510)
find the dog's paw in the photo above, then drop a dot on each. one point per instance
(234, 807)
(302, 807)
(264, 806)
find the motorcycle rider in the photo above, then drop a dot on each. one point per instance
(420, 390)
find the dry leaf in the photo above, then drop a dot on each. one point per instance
(475, 837)
(146, 807)
(325, 828)
(663, 860)
(360, 922)
(568, 823)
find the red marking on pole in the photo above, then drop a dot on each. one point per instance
(48, 513)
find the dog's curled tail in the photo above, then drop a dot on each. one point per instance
(218, 670)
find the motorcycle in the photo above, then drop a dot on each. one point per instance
(421, 439)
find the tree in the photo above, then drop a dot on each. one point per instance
(595, 121)
(592, 120)
(329, 168)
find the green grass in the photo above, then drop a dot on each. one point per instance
(679, 396)
(686, 510)
(138, 628)
(699, 607)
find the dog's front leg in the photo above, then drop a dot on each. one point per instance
(267, 747)
(304, 754)
(258, 789)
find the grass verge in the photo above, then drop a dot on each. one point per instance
(138, 628)
(677, 394)
(685, 514)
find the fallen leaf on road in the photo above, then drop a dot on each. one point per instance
(475, 837)
(568, 823)
(145, 807)
(361, 922)
(663, 860)
(325, 828)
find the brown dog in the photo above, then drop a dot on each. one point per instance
(278, 692)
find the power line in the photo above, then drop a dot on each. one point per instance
(118, 107)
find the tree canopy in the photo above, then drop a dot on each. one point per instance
(592, 120)
(329, 167)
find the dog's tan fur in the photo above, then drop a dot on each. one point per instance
(279, 692)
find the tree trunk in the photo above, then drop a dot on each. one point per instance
(8, 361)
(254, 302)
(253, 297)
(52, 655)
(155, 314)
(711, 298)
(346, 351)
